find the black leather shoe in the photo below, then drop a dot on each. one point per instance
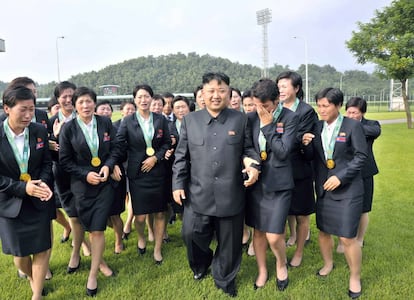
(71, 270)
(200, 275)
(64, 239)
(325, 275)
(44, 292)
(125, 235)
(231, 290)
(142, 251)
(158, 262)
(282, 284)
(354, 295)
(91, 293)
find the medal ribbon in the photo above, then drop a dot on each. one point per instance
(147, 131)
(61, 117)
(295, 105)
(91, 139)
(22, 160)
(262, 139)
(329, 144)
(178, 126)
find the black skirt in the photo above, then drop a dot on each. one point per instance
(28, 233)
(148, 194)
(93, 204)
(339, 217)
(303, 198)
(267, 211)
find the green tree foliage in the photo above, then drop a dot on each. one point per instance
(181, 73)
(388, 42)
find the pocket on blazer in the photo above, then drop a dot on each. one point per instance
(234, 139)
(197, 141)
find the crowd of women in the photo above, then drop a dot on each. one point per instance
(79, 161)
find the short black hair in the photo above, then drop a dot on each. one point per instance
(333, 95)
(145, 87)
(358, 102)
(125, 102)
(265, 89)
(180, 98)
(81, 91)
(103, 102)
(296, 80)
(64, 85)
(13, 95)
(220, 77)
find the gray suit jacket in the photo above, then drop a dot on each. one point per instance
(208, 161)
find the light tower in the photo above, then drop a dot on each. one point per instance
(57, 55)
(264, 17)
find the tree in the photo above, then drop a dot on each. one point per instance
(388, 42)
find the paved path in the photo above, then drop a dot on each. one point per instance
(394, 121)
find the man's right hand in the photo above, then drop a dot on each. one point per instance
(178, 196)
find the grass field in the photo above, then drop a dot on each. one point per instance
(388, 259)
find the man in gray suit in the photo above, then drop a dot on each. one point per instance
(208, 181)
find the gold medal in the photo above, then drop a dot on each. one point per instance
(95, 162)
(150, 151)
(263, 155)
(25, 177)
(330, 163)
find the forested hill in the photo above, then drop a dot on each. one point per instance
(181, 73)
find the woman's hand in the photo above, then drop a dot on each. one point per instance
(265, 117)
(307, 138)
(38, 189)
(331, 184)
(148, 164)
(116, 174)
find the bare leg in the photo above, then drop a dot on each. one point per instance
(97, 240)
(353, 256)
(363, 225)
(150, 225)
(139, 221)
(159, 226)
(326, 246)
(302, 232)
(61, 219)
(278, 246)
(130, 214)
(117, 226)
(246, 234)
(260, 247)
(292, 228)
(77, 238)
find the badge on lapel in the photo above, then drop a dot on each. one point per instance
(341, 138)
(279, 128)
(39, 144)
(231, 133)
(106, 137)
(160, 133)
(44, 123)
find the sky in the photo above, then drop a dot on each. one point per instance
(101, 33)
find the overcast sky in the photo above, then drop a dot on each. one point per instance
(101, 33)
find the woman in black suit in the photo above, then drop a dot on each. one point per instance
(303, 200)
(145, 137)
(25, 168)
(339, 150)
(356, 108)
(268, 201)
(86, 146)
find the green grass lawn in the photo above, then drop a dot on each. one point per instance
(388, 259)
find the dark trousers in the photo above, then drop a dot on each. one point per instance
(198, 231)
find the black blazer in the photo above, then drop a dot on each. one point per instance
(40, 167)
(130, 139)
(280, 136)
(302, 168)
(208, 161)
(74, 154)
(350, 154)
(372, 130)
